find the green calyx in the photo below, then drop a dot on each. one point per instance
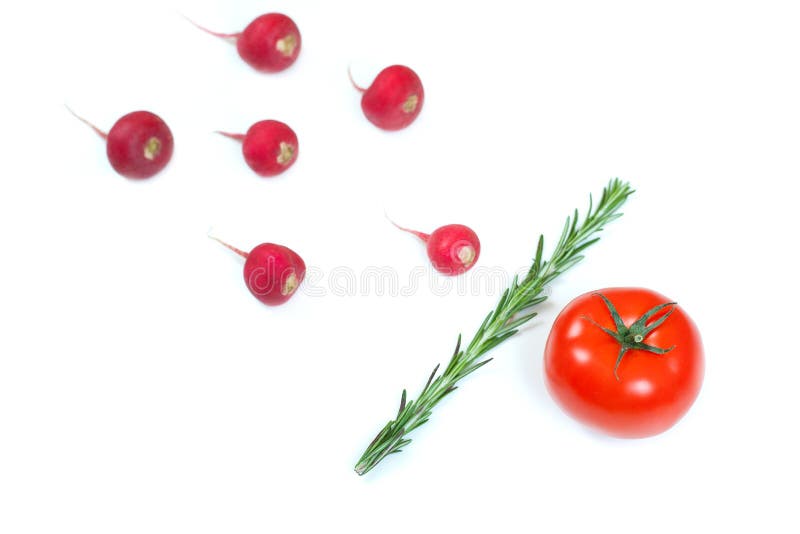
(633, 336)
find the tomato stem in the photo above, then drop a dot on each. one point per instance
(632, 337)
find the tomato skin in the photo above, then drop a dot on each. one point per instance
(653, 390)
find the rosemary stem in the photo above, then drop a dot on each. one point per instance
(501, 323)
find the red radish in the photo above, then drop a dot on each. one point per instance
(269, 147)
(453, 249)
(138, 145)
(270, 43)
(272, 272)
(394, 99)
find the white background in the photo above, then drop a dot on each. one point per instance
(142, 388)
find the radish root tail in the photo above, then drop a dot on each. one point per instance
(97, 130)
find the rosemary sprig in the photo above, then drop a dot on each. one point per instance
(512, 311)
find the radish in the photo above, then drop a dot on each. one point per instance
(394, 99)
(453, 249)
(272, 272)
(138, 145)
(269, 147)
(271, 43)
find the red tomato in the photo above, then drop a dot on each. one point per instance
(625, 378)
